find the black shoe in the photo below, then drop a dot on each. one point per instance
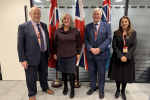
(123, 96)
(71, 94)
(117, 94)
(101, 95)
(91, 91)
(65, 91)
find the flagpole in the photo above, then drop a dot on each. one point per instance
(77, 83)
(53, 24)
(79, 23)
(56, 83)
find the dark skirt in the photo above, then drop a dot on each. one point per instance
(66, 64)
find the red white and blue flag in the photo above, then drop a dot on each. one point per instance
(106, 12)
(80, 25)
(106, 17)
(53, 25)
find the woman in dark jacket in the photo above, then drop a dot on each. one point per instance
(122, 67)
(66, 49)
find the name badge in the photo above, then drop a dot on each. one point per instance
(125, 49)
(39, 40)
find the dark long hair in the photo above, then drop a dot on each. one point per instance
(129, 29)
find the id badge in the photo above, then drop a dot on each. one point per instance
(125, 49)
(39, 40)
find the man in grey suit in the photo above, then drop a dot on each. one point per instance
(34, 51)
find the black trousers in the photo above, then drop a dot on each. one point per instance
(31, 75)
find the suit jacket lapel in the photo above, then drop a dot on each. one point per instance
(121, 38)
(127, 38)
(100, 31)
(92, 32)
(33, 33)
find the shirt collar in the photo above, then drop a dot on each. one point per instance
(97, 23)
(35, 23)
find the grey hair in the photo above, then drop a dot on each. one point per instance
(96, 9)
(61, 24)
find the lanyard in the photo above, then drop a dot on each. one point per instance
(97, 29)
(124, 40)
(38, 35)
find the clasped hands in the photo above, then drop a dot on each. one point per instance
(123, 59)
(95, 51)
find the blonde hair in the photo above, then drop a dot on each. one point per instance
(97, 9)
(61, 24)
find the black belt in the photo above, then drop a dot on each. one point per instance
(43, 52)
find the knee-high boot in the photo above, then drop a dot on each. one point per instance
(72, 82)
(123, 91)
(65, 79)
(118, 89)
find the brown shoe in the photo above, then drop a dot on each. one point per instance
(32, 98)
(49, 91)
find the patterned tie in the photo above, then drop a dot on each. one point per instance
(95, 31)
(41, 37)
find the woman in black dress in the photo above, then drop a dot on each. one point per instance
(122, 67)
(66, 49)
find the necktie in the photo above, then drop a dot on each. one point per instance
(41, 37)
(95, 27)
(95, 31)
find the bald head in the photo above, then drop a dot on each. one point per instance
(34, 8)
(35, 14)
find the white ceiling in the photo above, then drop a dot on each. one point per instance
(85, 2)
(94, 2)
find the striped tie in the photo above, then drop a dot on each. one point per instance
(41, 37)
(95, 31)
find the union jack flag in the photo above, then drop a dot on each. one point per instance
(53, 25)
(106, 17)
(80, 24)
(106, 13)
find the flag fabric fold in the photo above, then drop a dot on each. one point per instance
(80, 25)
(106, 11)
(53, 25)
(106, 17)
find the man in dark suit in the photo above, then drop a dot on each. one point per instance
(96, 39)
(34, 51)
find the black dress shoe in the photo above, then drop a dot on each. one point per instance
(123, 96)
(91, 91)
(65, 91)
(117, 94)
(71, 94)
(101, 95)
